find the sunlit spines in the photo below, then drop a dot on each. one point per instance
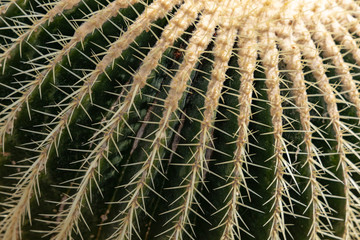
(9, 113)
(48, 17)
(332, 51)
(350, 88)
(5, 5)
(176, 26)
(225, 39)
(154, 11)
(318, 203)
(19, 202)
(269, 61)
(349, 5)
(286, 64)
(348, 21)
(342, 35)
(247, 54)
(73, 213)
(198, 43)
(311, 54)
(64, 117)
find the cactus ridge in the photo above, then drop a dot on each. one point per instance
(179, 119)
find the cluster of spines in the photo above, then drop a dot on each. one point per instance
(94, 22)
(5, 5)
(176, 26)
(299, 44)
(330, 49)
(247, 60)
(27, 183)
(101, 150)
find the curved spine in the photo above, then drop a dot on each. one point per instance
(318, 203)
(247, 63)
(270, 59)
(47, 18)
(5, 6)
(315, 62)
(25, 189)
(96, 21)
(197, 45)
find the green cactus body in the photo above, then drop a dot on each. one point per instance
(179, 119)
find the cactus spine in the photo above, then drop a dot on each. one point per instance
(179, 119)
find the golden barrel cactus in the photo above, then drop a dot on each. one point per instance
(179, 119)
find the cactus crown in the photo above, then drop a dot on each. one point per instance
(179, 119)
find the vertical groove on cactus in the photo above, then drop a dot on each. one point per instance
(73, 214)
(222, 52)
(247, 62)
(176, 26)
(179, 119)
(318, 202)
(58, 9)
(269, 55)
(330, 99)
(95, 22)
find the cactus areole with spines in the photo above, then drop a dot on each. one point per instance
(179, 119)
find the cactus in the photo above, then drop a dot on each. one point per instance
(179, 119)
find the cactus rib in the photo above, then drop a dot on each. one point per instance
(179, 119)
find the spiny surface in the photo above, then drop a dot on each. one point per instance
(179, 119)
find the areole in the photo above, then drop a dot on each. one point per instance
(179, 119)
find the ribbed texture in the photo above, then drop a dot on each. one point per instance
(179, 119)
